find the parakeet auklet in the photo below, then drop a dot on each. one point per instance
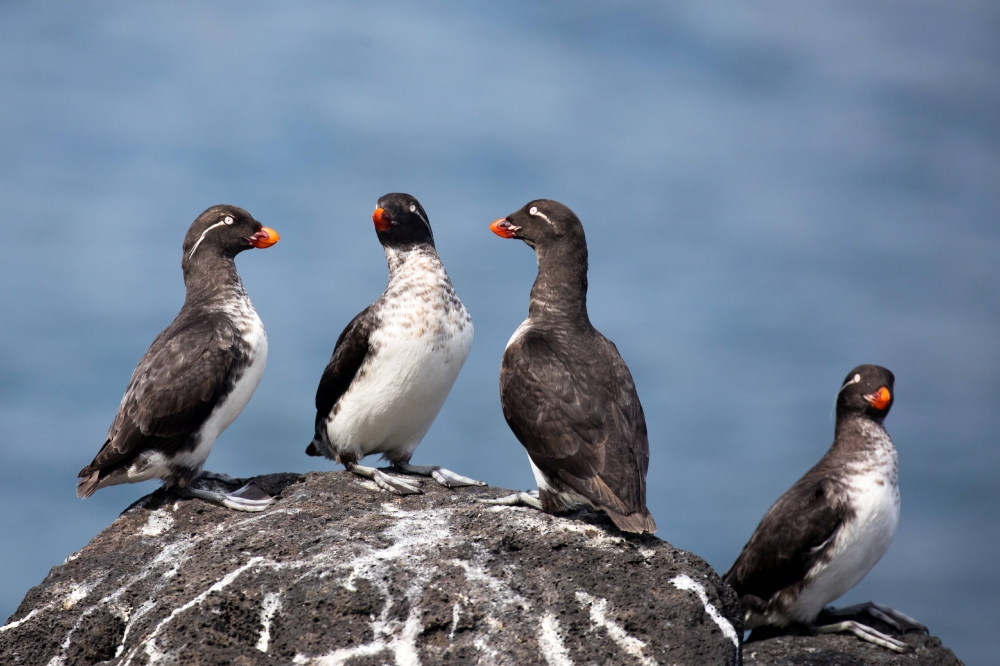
(196, 377)
(394, 364)
(829, 529)
(565, 390)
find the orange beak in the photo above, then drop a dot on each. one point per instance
(503, 228)
(266, 237)
(880, 398)
(382, 220)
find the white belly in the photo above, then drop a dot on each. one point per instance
(229, 408)
(391, 405)
(860, 544)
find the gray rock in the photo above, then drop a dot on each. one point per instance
(339, 572)
(836, 650)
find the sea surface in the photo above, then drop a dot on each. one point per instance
(772, 192)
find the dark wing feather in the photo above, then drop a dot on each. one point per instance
(580, 419)
(173, 389)
(794, 533)
(349, 354)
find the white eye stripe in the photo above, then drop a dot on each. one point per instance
(413, 209)
(535, 212)
(202, 237)
(853, 380)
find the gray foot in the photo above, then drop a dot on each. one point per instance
(445, 477)
(865, 633)
(517, 499)
(902, 622)
(248, 497)
(388, 483)
(216, 476)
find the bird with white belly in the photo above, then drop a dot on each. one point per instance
(196, 377)
(829, 529)
(395, 363)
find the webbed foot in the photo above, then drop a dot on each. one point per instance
(529, 499)
(445, 477)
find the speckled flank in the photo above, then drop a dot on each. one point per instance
(423, 337)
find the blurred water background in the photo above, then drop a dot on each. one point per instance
(773, 193)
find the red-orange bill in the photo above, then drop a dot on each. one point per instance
(266, 237)
(502, 228)
(880, 398)
(382, 220)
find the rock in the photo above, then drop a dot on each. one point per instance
(339, 572)
(837, 650)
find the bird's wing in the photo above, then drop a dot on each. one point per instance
(173, 389)
(348, 356)
(575, 426)
(794, 533)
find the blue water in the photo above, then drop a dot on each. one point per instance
(772, 194)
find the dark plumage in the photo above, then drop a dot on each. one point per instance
(199, 372)
(830, 528)
(566, 392)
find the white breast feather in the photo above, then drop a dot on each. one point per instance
(861, 542)
(227, 410)
(422, 341)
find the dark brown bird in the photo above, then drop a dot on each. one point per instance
(198, 374)
(829, 529)
(566, 392)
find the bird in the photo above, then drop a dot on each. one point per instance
(566, 393)
(830, 528)
(395, 363)
(196, 377)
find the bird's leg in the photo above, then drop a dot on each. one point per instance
(899, 621)
(445, 477)
(529, 498)
(865, 633)
(216, 476)
(248, 497)
(384, 481)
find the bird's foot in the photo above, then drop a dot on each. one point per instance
(900, 621)
(248, 497)
(529, 498)
(865, 633)
(216, 476)
(388, 483)
(445, 477)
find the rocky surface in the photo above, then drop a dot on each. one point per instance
(339, 572)
(835, 650)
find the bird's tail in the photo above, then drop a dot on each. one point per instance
(88, 483)
(638, 522)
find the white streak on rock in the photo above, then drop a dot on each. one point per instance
(685, 582)
(271, 605)
(550, 642)
(154, 653)
(159, 522)
(18, 623)
(456, 615)
(130, 621)
(599, 616)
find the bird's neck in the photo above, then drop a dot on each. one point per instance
(857, 432)
(419, 258)
(210, 280)
(560, 290)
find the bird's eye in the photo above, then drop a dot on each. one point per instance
(533, 210)
(229, 219)
(413, 208)
(857, 378)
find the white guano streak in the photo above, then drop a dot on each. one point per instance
(271, 605)
(685, 582)
(599, 616)
(550, 642)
